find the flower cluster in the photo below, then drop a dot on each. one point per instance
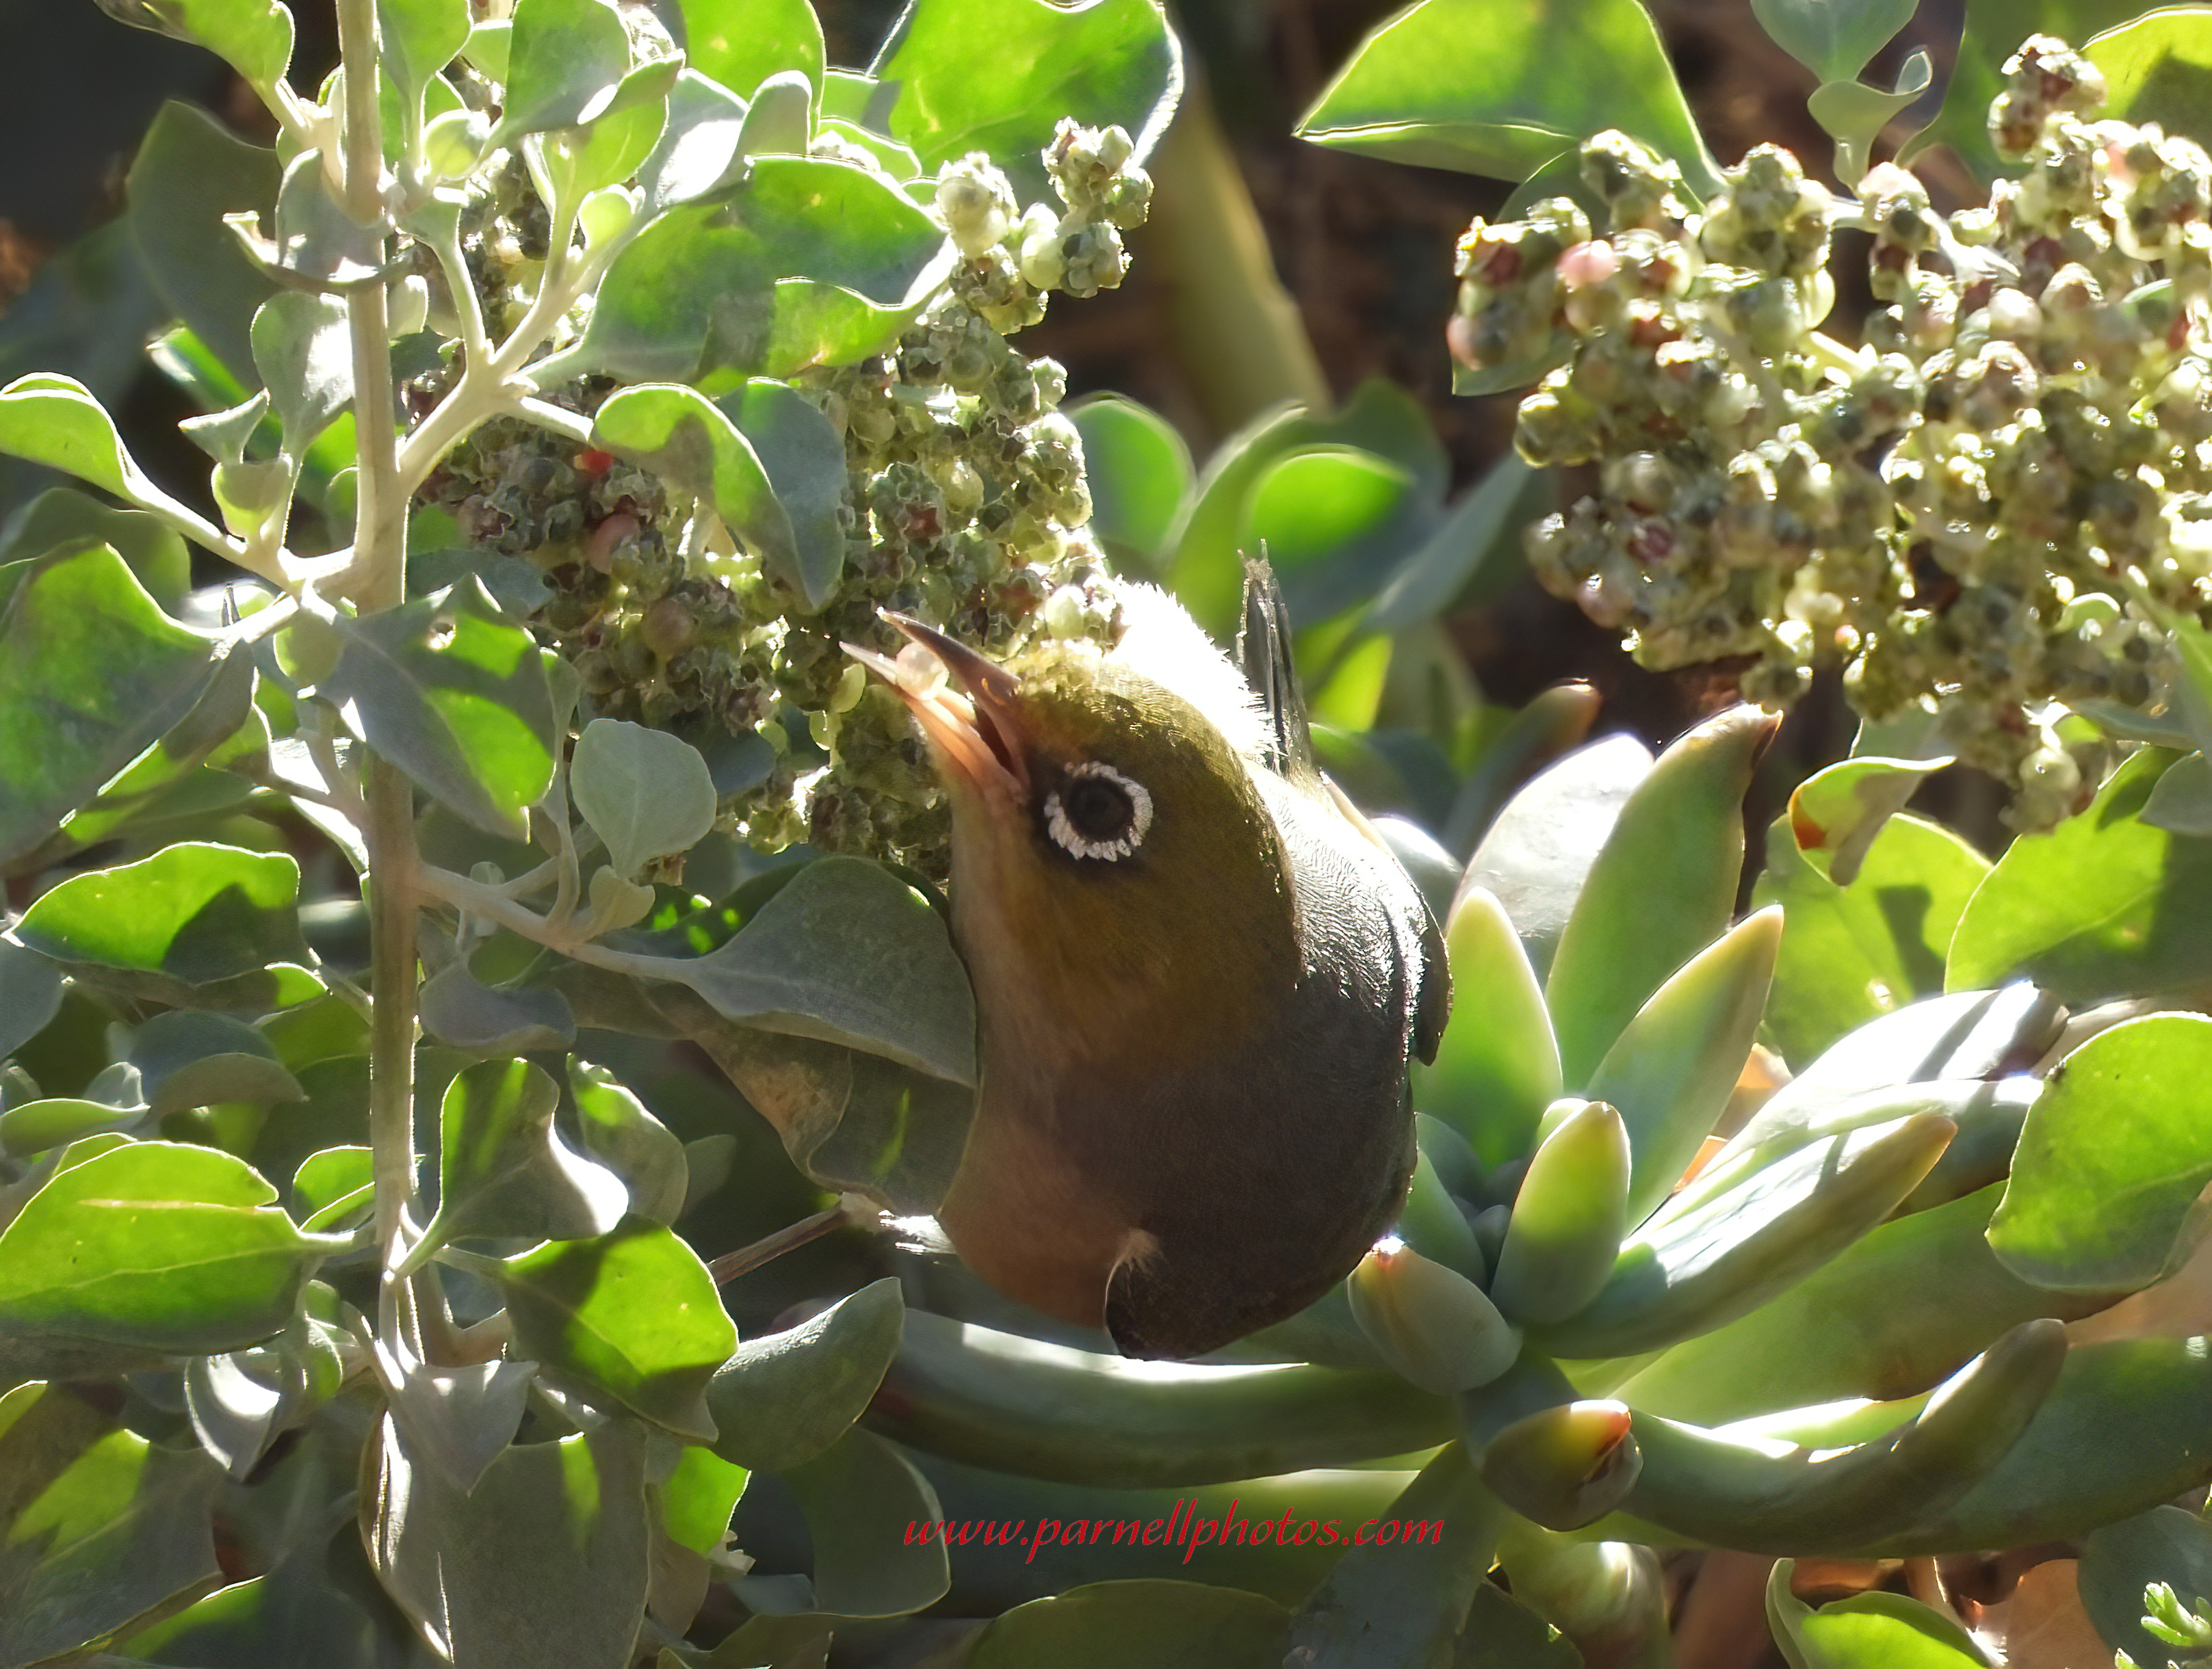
(966, 507)
(1980, 512)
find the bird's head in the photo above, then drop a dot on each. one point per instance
(1111, 848)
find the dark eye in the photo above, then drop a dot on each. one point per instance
(1098, 812)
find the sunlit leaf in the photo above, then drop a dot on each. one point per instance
(632, 1316)
(741, 43)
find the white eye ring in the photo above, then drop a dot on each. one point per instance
(1073, 842)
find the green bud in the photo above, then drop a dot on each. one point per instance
(453, 142)
(1432, 1324)
(1568, 1221)
(1566, 1466)
(1432, 1223)
(606, 214)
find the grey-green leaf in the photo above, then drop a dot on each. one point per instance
(786, 1397)
(503, 1170)
(645, 793)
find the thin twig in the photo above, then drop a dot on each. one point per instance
(746, 1259)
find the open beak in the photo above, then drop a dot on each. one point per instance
(976, 731)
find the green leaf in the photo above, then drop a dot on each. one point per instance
(255, 36)
(698, 1498)
(416, 40)
(633, 1316)
(221, 728)
(1854, 114)
(1497, 1066)
(1893, 1315)
(786, 1397)
(613, 1126)
(848, 954)
(2182, 801)
(30, 996)
(1161, 1624)
(1474, 552)
(679, 434)
(1384, 1606)
(462, 1012)
(860, 1497)
(55, 420)
(331, 1185)
(303, 348)
(696, 146)
(1540, 850)
(1873, 1630)
(741, 43)
(609, 147)
(98, 1527)
(191, 172)
(501, 1169)
(1662, 889)
(2095, 907)
(62, 517)
(1112, 62)
(1993, 32)
(1852, 953)
(852, 1120)
(2112, 1159)
(2157, 68)
(2166, 1544)
(545, 1562)
(1139, 474)
(191, 913)
(645, 793)
(1675, 1064)
(805, 457)
(1833, 39)
(190, 1058)
(1206, 571)
(803, 263)
(154, 1244)
(1502, 88)
(454, 694)
(1502, 1632)
(565, 60)
(35, 1126)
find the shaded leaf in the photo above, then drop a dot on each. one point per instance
(1166, 1625)
(805, 457)
(1108, 62)
(2181, 804)
(30, 996)
(1502, 89)
(2104, 1188)
(97, 1526)
(2157, 68)
(154, 1244)
(632, 1315)
(1140, 473)
(63, 518)
(255, 36)
(2166, 1544)
(455, 695)
(1480, 539)
(543, 1564)
(860, 1497)
(304, 353)
(614, 1127)
(697, 146)
(192, 913)
(91, 672)
(786, 1397)
(846, 953)
(460, 1010)
(456, 1420)
(1382, 1606)
(189, 1058)
(502, 1168)
(1834, 41)
(645, 793)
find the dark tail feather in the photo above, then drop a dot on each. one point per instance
(1263, 646)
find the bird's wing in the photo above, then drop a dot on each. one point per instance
(1263, 648)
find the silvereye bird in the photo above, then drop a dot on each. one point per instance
(1199, 975)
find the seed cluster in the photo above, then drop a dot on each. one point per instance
(1979, 514)
(966, 507)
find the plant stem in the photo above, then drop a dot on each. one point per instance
(380, 582)
(746, 1259)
